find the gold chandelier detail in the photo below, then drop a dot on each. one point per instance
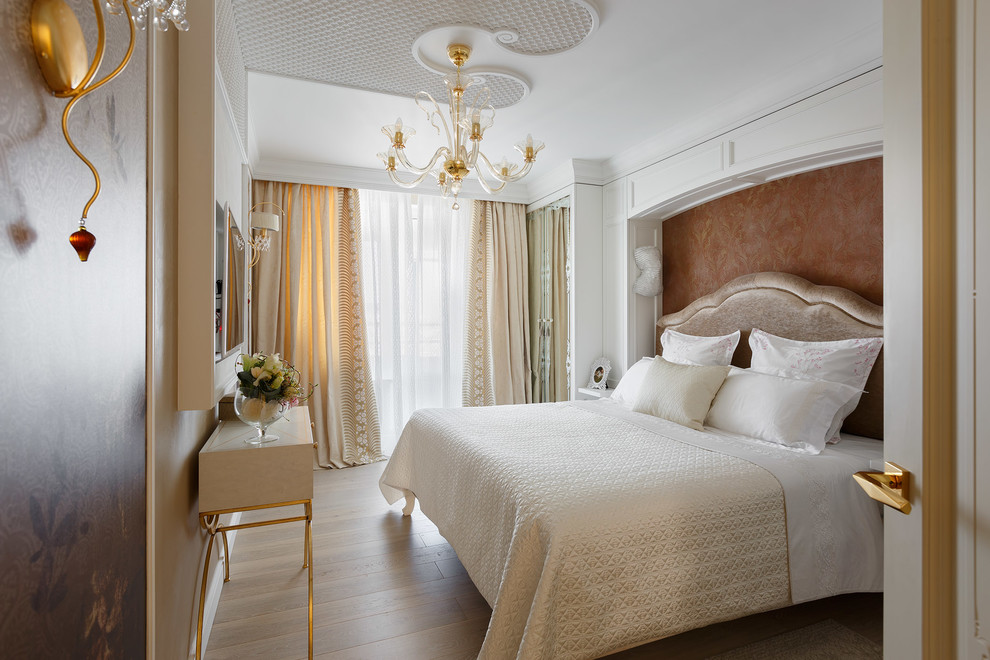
(468, 121)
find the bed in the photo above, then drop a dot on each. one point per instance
(590, 528)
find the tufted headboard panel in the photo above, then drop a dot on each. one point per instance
(789, 306)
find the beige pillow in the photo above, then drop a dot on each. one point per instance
(681, 393)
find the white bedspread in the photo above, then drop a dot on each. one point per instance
(590, 528)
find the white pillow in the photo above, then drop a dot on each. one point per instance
(847, 361)
(627, 391)
(690, 349)
(787, 411)
(681, 393)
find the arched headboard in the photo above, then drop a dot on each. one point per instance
(789, 306)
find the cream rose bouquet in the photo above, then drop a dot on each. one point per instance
(269, 385)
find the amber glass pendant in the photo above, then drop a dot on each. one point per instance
(82, 242)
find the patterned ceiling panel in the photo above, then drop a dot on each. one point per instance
(231, 62)
(367, 44)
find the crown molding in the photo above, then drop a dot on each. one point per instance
(564, 175)
(856, 57)
(325, 174)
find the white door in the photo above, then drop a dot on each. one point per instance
(903, 311)
(936, 265)
(973, 440)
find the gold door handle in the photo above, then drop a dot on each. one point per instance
(890, 487)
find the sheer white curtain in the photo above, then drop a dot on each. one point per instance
(413, 250)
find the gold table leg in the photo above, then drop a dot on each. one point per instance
(309, 557)
(211, 523)
(226, 556)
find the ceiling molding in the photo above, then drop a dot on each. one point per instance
(323, 174)
(855, 61)
(566, 174)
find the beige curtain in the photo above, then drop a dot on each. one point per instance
(496, 343)
(307, 306)
(548, 231)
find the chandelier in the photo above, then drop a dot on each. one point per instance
(468, 121)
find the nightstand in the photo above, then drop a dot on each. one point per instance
(589, 393)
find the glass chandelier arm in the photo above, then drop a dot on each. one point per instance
(400, 155)
(480, 110)
(472, 158)
(491, 190)
(406, 184)
(433, 114)
(527, 166)
(511, 176)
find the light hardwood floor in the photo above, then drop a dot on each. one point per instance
(388, 587)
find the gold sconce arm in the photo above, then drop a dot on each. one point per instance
(60, 48)
(890, 487)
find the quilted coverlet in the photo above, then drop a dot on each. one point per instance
(589, 528)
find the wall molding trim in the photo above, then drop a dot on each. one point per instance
(856, 52)
(552, 184)
(840, 125)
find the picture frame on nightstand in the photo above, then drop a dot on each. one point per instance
(599, 374)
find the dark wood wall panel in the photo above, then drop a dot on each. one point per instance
(72, 440)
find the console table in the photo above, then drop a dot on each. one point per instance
(236, 476)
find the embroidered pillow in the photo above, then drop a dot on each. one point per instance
(792, 412)
(847, 361)
(690, 349)
(681, 393)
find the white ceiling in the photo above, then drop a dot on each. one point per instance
(663, 72)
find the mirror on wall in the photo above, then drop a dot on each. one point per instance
(235, 299)
(229, 286)
(548, 237)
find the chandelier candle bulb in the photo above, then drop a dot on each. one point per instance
(466, 121)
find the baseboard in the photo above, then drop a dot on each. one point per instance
(214, 587)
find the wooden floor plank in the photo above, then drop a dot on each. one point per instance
(266, 599)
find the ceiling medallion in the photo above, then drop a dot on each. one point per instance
(468, 120)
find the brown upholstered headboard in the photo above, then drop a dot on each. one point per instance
(789, 306)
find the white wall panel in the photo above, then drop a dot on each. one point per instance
(643, 311)
(228, 185)
(839, 125)
(615, 202)
(587, 300)
(674, 176)
(822, 124)
(615, 312)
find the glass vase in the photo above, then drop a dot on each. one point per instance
(258, 413)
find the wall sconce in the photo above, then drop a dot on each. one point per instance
(264, 221)
(60, 49)
(649, 262)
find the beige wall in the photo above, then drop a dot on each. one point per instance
(178, 542)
